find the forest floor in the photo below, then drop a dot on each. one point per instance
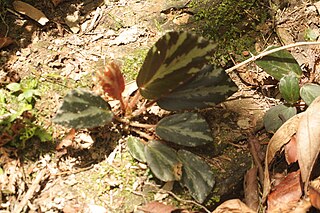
(95, 172)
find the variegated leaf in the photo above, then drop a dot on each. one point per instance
(187, 129)
(83, 109)
(173, 60)
(163, 161)
(197, 175)
(210, 87)
(136, 148)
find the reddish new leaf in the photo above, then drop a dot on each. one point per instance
(286, 194)
(112, 81)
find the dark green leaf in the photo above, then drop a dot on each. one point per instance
(276, 116)
(209, 87)
(289, 88)
(83, 109)
(197, 175)
(187, 129)
(309, 92)
(279, 64)
(136, 148)
(173, 60)
(163, 161)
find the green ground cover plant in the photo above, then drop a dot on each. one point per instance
(177, 76)
(17, 121)
(297, 91)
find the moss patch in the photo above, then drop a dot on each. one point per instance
(132, 64)
(230, 23)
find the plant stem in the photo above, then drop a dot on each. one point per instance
(134, 100)
(143, 134)
(143, 108)
(121, 120)
(140, 125)
(254, 58)
(123, 106)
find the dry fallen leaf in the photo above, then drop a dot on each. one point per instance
(290, 150)
(163, 192)
(251, 189)
(280, 138)
(314, 193)
(286, 194)
(233, 206)
(157, 207)
(308, 143)
(5, 41)
(30, 11)
(66, 141)
(56, 2)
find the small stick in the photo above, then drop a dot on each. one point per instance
(185, 201)
(141, 125)
(28, 195)
(265, 53)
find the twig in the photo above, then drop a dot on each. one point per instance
(95, 20)
(140, 125)
(73, 172)
(265, 53)
(254, 153)
(185, 201)
(142, 134)
(43, 174)
(5, 23)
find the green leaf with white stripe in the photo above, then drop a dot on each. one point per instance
(173, 60)
(208, 88)
(136, 148)
(279, 64)
(163, 161)
(197, 175)
(83, 109)
(186, 129)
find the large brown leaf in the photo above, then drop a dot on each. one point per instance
(279, 139)
(233, 206)
(286, 194)
(308, 140)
